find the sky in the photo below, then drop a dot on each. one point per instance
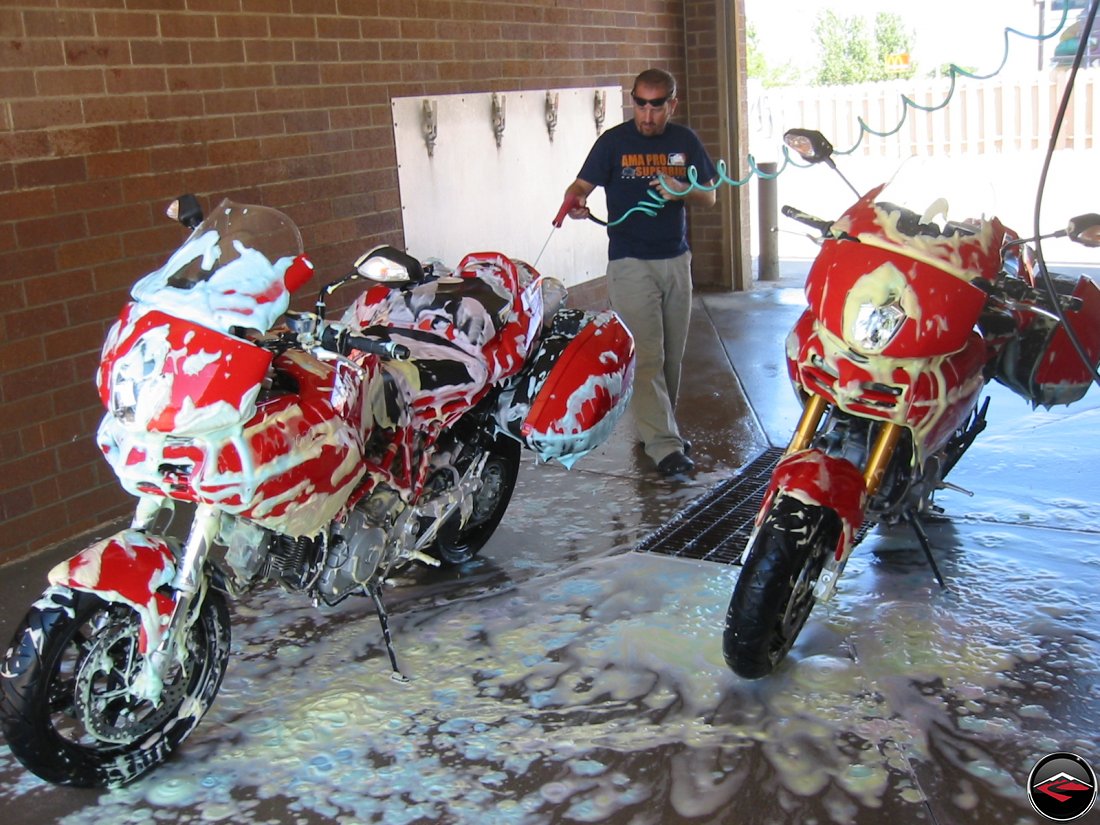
(969, 33)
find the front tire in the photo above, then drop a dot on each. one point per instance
(775, 591)
(456, 543)
(68, 705)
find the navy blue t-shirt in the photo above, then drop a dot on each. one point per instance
(624, 161)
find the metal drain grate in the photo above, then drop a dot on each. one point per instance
(715, 526)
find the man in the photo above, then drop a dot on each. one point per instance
(645, 161)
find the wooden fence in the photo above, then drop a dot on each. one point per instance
(999, 115)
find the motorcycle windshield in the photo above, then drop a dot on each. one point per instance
(937, 215)
(230, 273)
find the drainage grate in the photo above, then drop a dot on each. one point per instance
(716, 526)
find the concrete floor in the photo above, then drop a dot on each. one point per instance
(562, 677)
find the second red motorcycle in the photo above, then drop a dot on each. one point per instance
(908, 317)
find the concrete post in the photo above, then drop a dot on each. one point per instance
(769, 223)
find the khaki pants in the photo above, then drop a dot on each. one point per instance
(654, 300)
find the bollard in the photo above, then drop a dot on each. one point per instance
(768, 265)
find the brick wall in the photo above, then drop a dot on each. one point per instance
(112, 108)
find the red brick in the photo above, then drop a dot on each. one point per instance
(125, 24)
(52, 23)
(48, 231)
(135, 80)
(25, 204)
(50, 172)
(84, 140)
(187, 26)
(45, 113)
(97, 52)
(118, 164)
(17, 83)
(16, 355)
(88, 252)
(159, 52)
(116, 109)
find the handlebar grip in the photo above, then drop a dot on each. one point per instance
(341, 341)
(820, 224)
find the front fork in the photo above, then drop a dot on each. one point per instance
(188, 586)
(886, 440)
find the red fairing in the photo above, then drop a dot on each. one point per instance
(302, 452)
(948, 305)
(822, 481)
(928, 396)
(130, 568)
(205, 376)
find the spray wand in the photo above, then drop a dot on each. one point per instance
(570, 203)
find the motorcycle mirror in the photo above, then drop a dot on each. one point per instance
(810, 144)
(186, 210)
(1085, 229)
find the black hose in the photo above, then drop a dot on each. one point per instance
(1044, 273)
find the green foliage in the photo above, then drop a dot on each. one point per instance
(758, 68)
(850, 54)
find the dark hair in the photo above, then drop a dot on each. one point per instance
(656, 77)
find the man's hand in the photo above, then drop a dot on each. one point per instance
(669, 188)
(574, 206)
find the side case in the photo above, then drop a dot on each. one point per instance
(1041, 363)
(570, 394)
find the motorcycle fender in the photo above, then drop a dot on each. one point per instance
(130, 568)
(820, 480)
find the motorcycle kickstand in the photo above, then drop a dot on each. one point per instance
(922, 537)
(375, 590)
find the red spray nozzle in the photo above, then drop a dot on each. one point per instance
(570, 202)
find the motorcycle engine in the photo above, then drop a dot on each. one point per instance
(357, 546)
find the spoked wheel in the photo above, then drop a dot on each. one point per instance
(74, 688)
(775, 591)
(456, 543)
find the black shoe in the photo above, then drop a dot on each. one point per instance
(675, 464)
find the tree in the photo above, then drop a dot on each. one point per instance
(757, 64)
(850, 55)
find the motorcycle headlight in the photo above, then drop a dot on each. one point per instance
(138, 382)
(874, 327)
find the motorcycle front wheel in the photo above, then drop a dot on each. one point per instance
(774, 594)
(71, 704)
(456, 543)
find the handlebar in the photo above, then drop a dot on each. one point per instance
(820, 224)
(341, 341)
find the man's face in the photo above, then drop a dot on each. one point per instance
(651, 120)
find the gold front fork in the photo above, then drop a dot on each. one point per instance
(881, 452)
(807, 425)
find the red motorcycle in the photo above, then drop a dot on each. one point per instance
(907, 320)
(318, 455)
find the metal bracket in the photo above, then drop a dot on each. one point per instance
(599, 109)
(429, 124)
(498, 117)
(551, 114)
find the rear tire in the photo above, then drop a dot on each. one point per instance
(775, 591)
(67, 708)
(456, 543)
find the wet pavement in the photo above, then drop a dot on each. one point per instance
(564, 677)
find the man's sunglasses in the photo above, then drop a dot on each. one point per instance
(655, 103)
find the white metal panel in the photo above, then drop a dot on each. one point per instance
(472, 196)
